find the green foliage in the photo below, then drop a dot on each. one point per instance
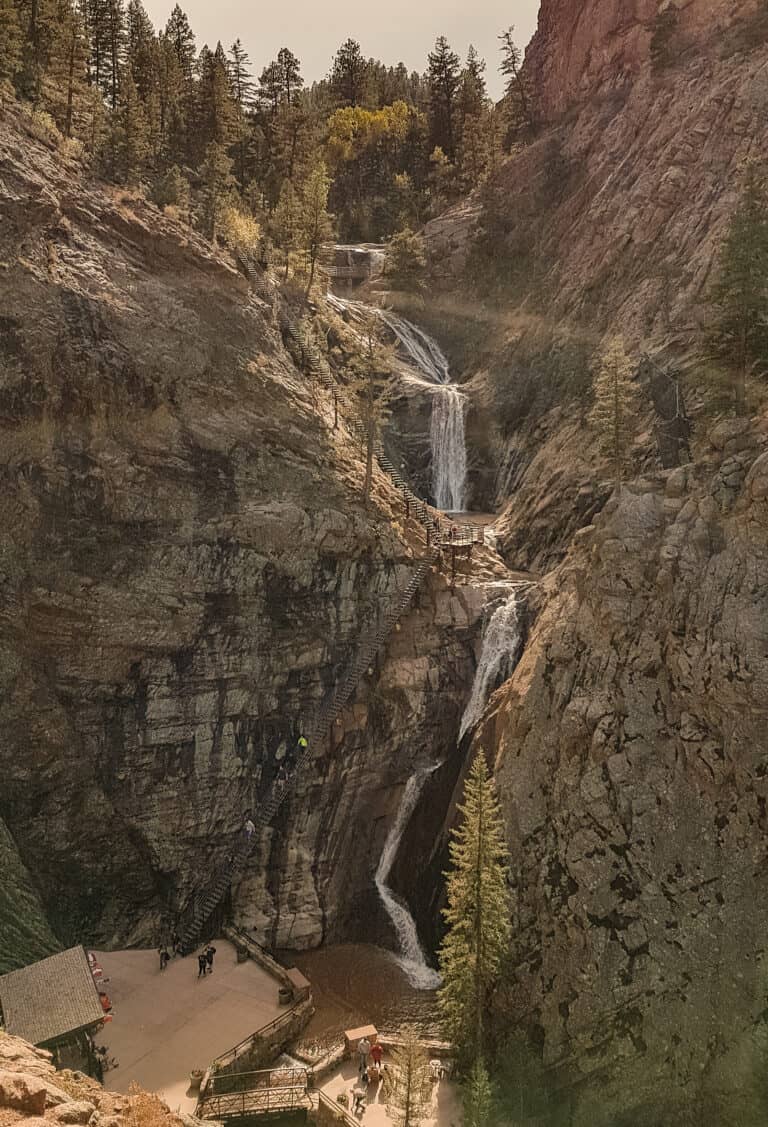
(11, 54)
(128, 138)
(444, 81)
(478, 1097)
(316, 225)
(349, 75)
(410, 1090)
(171, 189)
(518, 98)
(738, 334)
(613, 413)
(217, 186)
(477, 916)
(406, 261)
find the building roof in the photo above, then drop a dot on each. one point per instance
(51, 998)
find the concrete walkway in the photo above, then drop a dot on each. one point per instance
(444, 1112)
(167, 1024)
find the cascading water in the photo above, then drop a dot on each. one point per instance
(411, 957)
(449, 403)
(502, 641)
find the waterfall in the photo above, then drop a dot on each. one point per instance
(502, 640)
(411, 957)
(446, 433)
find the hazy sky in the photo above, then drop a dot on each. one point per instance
(392, 31)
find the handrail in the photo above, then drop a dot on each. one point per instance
(225, 1058)
(335, 1107)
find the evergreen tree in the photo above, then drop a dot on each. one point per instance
(370, 384)
(217, 188)
(216, 114)
(286, 222)
(140, 48)
(115, 31)
(406, 260)
(289, 69)
(615, 404)
(171, 189)
(179, 34)
(410, 1089)
(349, 75)
(473, 94)
(739, 333)
(243, 86)
(316, 223)
(172, 103)
(129, 134)
(270, 93)
(477, 915)
(10, 42)
(516, 94)
(478, 1097)
(444, 80)
(67, 70)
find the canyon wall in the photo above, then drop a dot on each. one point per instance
(187, 565)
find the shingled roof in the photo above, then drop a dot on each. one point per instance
(49, 999)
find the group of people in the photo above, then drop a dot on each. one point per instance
(205, 961)
(165, 954)
(369, 1070)
(280, 784)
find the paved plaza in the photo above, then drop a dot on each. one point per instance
(167, 1023)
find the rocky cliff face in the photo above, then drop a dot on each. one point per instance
(628, 745)
(186, 567)
(631, 762)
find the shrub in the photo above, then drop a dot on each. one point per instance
(171, 189)
(406, 260)
(239, 231)
(42, 127)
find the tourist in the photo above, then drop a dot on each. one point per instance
(302, 745)
(377, 1053)
(281, 778)
(165, 958)
(250, 828)
(202, 964)
(210, 951)
(358, 1100)
(363, 1049)
(176, 943)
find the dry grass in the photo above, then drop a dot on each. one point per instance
(147, 1110)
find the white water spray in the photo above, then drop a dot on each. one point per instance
(449, 404)
(502, 639)
(411, 957)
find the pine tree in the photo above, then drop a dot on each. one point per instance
(410, 1090)
(472, 95)
(271, 88)
(10, 42)
(370, 384)
(316, 222)
(216, 114)
(129, 134)
(286, 221)
(171, 189)
(115, 44)
(477, 915)
(67, 70)
(478, 1097)
(444, 80)
(349, 75)
(289, 69)
(739, 333)
(140, 48)
(179, 34)
(173, 103)
(615, 402)
(217, 187)
(406, 260)
(516, 93)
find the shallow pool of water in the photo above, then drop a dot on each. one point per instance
(354, 984)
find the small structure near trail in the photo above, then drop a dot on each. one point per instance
(55, 1005)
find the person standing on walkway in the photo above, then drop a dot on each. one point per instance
(377, 1053)
(363, 1049)
(202, 964)
(250, 829)
(210, 951)
(176, 943)
(165, 958)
